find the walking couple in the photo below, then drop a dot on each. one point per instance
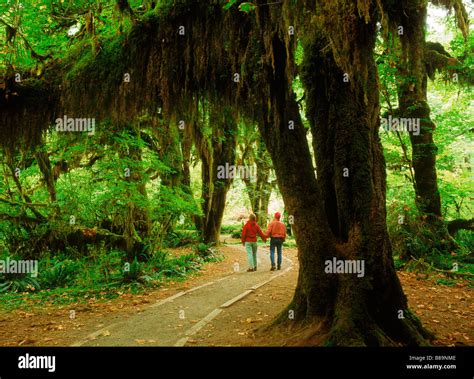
(276, 231)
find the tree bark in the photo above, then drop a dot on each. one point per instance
(343, 217)
(413, 104)
(186, 150)
(218, 151)
(258, 188)
(137, 223)
(424, 150)
(263, 185)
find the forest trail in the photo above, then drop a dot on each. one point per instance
(152, 318)
(173, 321)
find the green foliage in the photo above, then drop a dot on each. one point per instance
(450, 104)
(18, 283)
(465, 239)
(26, 242)
(104, 274)
(43, 30)
(134, 272)
(58, 272)
(245, 6)
(229, 4)
(207, 252)
(179, 238)
(234, 230)
(446, 282)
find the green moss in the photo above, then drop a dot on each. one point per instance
(79, 66)
(108, 65)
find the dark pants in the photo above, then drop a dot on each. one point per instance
(278, 243)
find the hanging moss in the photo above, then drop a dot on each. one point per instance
(167, 70)
(27, 109)
(437, 59)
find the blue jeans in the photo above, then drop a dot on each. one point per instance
(278, 243)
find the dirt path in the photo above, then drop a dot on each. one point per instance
(221, 306)
(175, 320)
(448, 311)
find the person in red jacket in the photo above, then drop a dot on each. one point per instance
(277, 233)
(249, 240)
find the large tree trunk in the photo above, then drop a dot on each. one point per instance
(424, 151)
(137, 223)
(413, 104)
(350, 223)
(170, 153)
(412, 97)
(186, 148)
(263, 183)
(217, 152)
(258, 188)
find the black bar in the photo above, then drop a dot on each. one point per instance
(138, 362)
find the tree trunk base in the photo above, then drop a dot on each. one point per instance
(348, 323)
(348, 332)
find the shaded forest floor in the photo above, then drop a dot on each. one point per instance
(448, 311)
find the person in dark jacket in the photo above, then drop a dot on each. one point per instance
(249, 240)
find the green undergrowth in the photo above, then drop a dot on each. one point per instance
(100, 276)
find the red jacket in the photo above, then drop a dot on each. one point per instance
(250, 230)
(276, 229)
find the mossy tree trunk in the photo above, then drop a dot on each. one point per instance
(187, 140)
(215, 150)
(258, 188)
(170, 152)
(413, 104)
(186, 151)
(343, 215)
(137, 223)
(44, 164)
